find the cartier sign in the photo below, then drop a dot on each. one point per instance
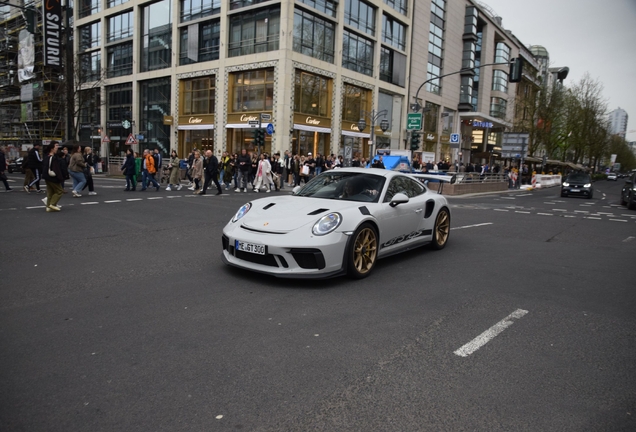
(304, 119)
(195, 120)
(246, 118)
(312, 121)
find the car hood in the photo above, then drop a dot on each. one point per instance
(287, 213)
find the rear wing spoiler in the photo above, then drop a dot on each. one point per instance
(436, 178)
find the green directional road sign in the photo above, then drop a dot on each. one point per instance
(414, 121)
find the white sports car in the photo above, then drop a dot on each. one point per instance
(341, 222)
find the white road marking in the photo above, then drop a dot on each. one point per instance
(628, 239)
(507, 197)
(628, 215)
(581, 211)
(563, 210)
(472, 226)
(35, 207)
(173, 196)
(89, 203)
(524, 212)
(500, 210)
(153, 198)
(134, 199)
(549, 203)
(569, 216)
(545, 214)
(489, 334)
(524, 195)
(603, 213)
(113, 201)
(618, 220)
(591, 217)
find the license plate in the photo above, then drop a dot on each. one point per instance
(574, 190)
(249, 247)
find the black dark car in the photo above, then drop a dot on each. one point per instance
(628, 194)
(577, 184)
(15, 165)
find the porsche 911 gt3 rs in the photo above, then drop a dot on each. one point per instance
(341, 222)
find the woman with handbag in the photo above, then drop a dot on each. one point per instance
(197, 170)
(89, 170)
(174, 166)
(263, 174)
(53, 177)
(128, 169)
(76, 170)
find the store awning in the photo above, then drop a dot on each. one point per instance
(195, 127)
(356, 134)
(311, 128)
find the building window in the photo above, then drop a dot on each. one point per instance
(237, 4)
(155, 104)
(448, 121)
(392, 66)
(356, 100)
(502, 53)
(120, 26)
(253, 90)
(311, 94)
(113, 3)
(360, 15)
(90, 67)
(254, 32)
(477, 76)
(205, 44)
(399, 5)
(195, 9)
(90, 36)
(431, 117)
(357, 53)
(198, 96)
(89, 106)
(435, 46)
(314, 36)
(89, 7)
(498, 107)
(119, 101)
(393, 32)
(500, 81)
(325, 6)
(119, 60)
(157, 36)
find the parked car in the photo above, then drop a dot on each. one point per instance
(628, 194)
(15, 165)
(612, 176)
(341, 222)
(577, 184)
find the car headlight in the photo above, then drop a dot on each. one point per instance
(588, 185)
(242, 212)
(566, 184)
(327, 224)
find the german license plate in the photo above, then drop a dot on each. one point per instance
(249, 247)
(574, 190)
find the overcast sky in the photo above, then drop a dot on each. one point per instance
(592, 36)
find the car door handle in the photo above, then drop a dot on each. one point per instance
(418, 211)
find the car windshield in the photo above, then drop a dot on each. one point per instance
(579, 178)
(344, 186)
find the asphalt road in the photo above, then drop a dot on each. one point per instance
(117, 314)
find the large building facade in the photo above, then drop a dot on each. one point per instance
(198, 73)
(618, 122)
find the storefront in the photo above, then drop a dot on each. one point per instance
(356, 104)
(196, 131)
(241, 135)
(359, 140)
(311, 134)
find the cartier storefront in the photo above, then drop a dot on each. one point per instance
(240, 134)
(311, 134)
(195, 131)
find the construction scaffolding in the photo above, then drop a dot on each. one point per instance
(32, 105)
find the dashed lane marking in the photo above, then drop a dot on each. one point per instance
(524, 195)
(618, 220)
(501, 210)
(592, 217)
(524, 212)
(559, 210)
(35, 207)
(545, 214)
(472, 226)
(628, 239)
(154, 198)
(112, 201)
(489, 334)
(581, 211)
(89, 203)
(134, 199)
(569, 216)
(507, 197)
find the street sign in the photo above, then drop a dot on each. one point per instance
(140, 137)
(254, 123)
(454, 138)
(105, 139)
(131, 140)
(414, 121)
(270, 129)
(265, 117)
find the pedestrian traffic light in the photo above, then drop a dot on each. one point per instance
(516, 70)
(259, 137)
(415, 141)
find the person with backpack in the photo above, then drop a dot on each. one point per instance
(34, 163)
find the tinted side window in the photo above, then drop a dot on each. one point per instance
(397, 185)
(415, 188)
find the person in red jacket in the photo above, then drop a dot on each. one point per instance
(148, 171)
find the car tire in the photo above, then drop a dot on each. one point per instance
(441, 230)
(590, 196)
(631, 204)
(623, 202)
(362, 252)
(563, 195)
(10, 170)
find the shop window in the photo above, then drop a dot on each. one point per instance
(356, 100)
(198, 96)
(311, 94)
(253, 90)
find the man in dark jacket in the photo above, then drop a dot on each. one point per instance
(3, 166)
(211, 171)
(34, 163)
(53, 176)
(244, 162)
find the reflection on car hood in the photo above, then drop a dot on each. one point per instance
(286, 213)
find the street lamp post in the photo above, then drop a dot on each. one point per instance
(373, 116)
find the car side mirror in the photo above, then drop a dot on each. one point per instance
(399, 198)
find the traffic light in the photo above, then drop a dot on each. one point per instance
(415, 141)
(516, 70)
(259, 137)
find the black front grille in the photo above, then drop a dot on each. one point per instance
(267, 260)
(225, 241)
(309, 258)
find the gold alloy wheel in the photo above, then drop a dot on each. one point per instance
(442, 228)
(365, 250)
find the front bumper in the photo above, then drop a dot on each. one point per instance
(576, 190)
(287, 255)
